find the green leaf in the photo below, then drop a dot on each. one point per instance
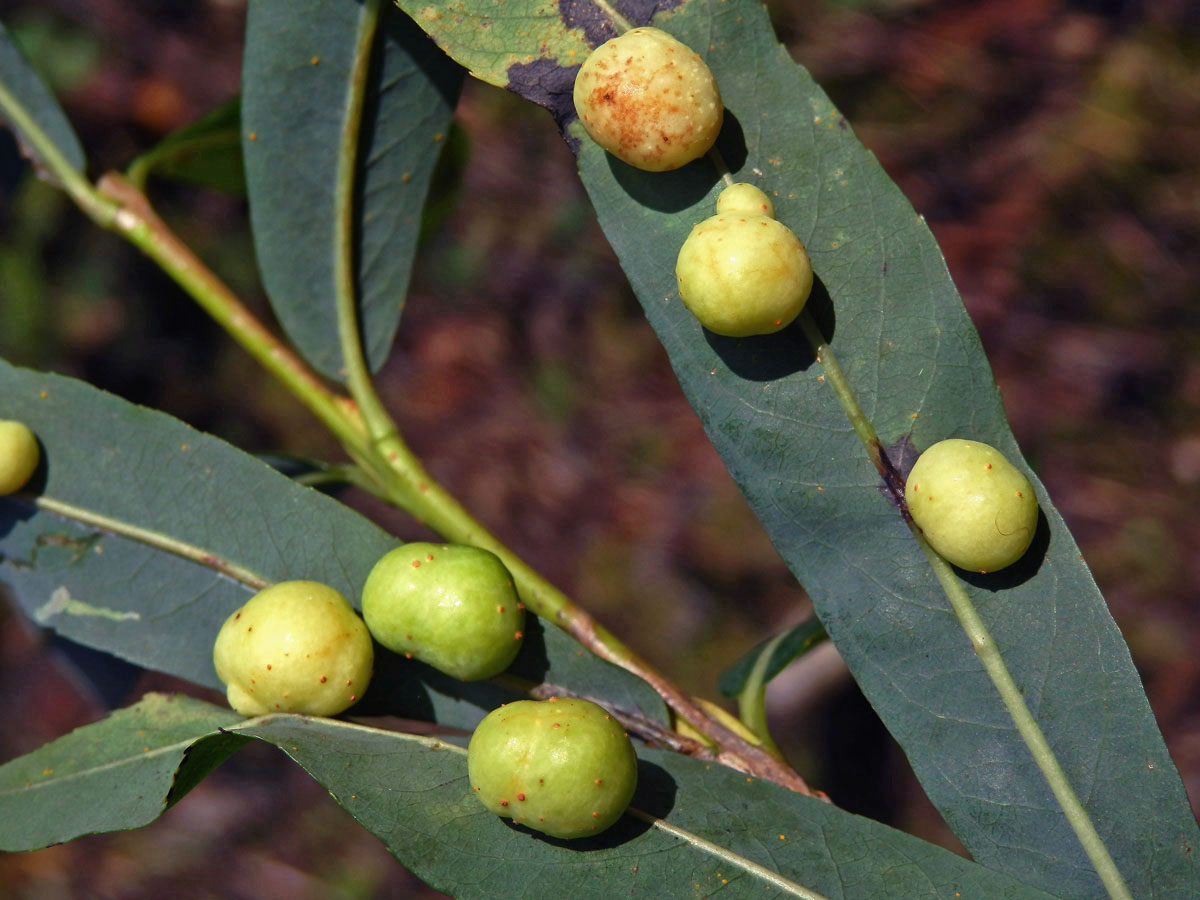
(913, 357)
(207, 152)
(722, 831)
(797, 641)
(513, 42)
(161, 531)
(18, 79)
(885, 301)
(117, 773)
(413, 794)
(117, 581)
(298, 62)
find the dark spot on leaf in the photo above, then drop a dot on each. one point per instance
(585, 14)
(598, 27)
(769, 357)
(894, 465)
(78, 548)
(547, 84)
(903, 455)
(1020, 571)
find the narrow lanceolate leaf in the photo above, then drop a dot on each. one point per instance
(21, 83)
(140, 535)
(885, 301)
(296, 93)
(722, 834)
(207, 152)
(783, 650)
(117, 773)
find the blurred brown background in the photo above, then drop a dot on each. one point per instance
(1052, 147)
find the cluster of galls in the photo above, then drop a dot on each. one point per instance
(566, 767)
(653, 103)
(299, 647)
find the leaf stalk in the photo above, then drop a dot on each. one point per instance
(137, 222)
(97, 207)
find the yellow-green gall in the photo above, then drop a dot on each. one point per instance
(296, 647)
(564, 767)
(976, 509)
(19, 455)
(741, 272)
(451, 606)
(649, 100)
(744, 199)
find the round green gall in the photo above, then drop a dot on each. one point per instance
(296, 647)
(649, 100)
(19, 455)
(976, 509)
(741, 272)
(564, 767)
(744, 199)
(449, 605)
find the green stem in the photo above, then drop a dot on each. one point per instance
(142, 227)
(98, 208)
(752, 705)
(139, 171)
(343, 474)
(981, 640)
(121, 207)
(358, 375)
(722, 167)
(410, 486)
(841, 386)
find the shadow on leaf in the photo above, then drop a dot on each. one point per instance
(1020, 571)
(731, 142)
(768, 357)
(533, 662)
(14, 510)
(682, 188)
(655, 795)
(406, 687)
